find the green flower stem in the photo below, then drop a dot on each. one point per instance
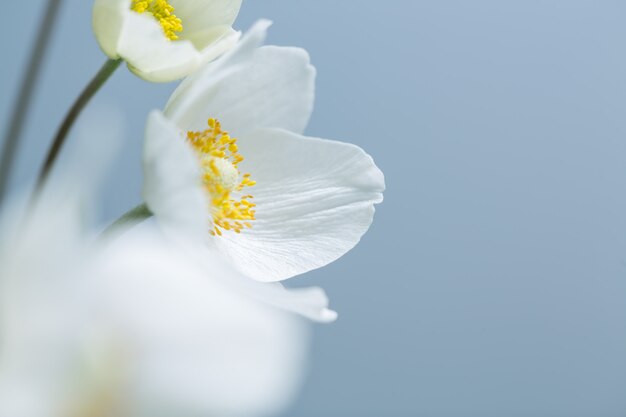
(31, 76)
(94, 85)
(132, 216)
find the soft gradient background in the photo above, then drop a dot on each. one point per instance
(493, 280)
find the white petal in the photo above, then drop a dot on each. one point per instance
(150, 54)
(172, 188)
(242, 51)
(315, 199)
(270, 87)
(108, 20)
(311, 302)
(226, 39)
(253, 39)
(202, 16)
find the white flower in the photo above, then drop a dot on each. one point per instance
(312, 200)
(164, 40)
(183, 340)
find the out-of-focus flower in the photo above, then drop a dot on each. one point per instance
(184, 340)
(131, 327)
(271, 201)
(164, 40)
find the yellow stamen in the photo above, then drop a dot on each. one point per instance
(163, 12)
(219, 158)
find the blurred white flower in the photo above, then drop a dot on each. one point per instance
(313, 198)
(187, 341)
(132, 327)
(164, 40)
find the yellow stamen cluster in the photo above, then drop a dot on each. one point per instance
(219, 158)
(163, 12)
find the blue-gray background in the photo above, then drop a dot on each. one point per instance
(493, 280)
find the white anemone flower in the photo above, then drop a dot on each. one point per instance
(227, 161)
(164, 40)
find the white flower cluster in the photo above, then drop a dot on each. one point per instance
(179, 309)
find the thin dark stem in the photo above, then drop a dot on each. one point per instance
(132, 216)
(16, 124)
(94, 85)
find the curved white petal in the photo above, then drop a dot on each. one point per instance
(150, 54)
(271, 87)
(310, 302)
(315, 199)
(202, 16)
(172, 188)
(242, 51)
(226, 39)
(108, 20)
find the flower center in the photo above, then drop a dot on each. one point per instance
(163, 12)
(221, 178)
